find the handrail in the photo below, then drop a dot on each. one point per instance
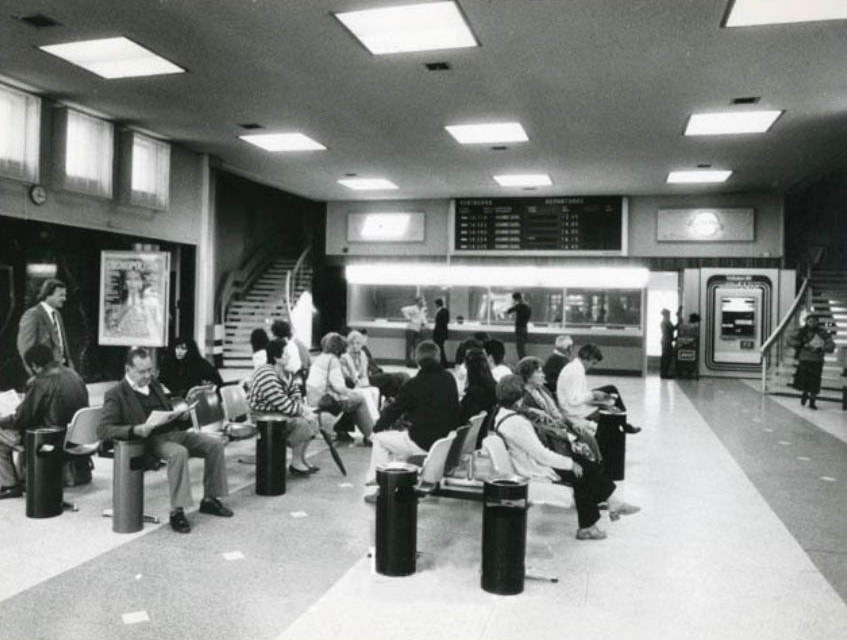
(291, 278)
(240, 280)
(765, 348)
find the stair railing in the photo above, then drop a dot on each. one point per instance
(238, 281)
(291, 280)
(800, 300)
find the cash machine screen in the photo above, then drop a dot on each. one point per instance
(738, 317)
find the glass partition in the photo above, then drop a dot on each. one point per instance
(551, 307)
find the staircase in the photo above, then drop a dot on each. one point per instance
(263, 303)
(827, 299)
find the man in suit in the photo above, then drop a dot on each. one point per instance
(42, 324)
(440, 332)
(55, 394)
(126, 408)
(523, 312)
(430, 402)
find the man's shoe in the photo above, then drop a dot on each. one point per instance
(803, 399)
(299, 473)
(591, 533)
(215, 507)
(179, 522)
(629, 428)
(622, 509)
(15, 491)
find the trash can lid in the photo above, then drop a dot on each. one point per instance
(397, 468)
(507, 481)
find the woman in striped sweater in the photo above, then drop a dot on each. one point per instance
(273, 389)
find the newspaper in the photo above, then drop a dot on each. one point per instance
(9, 401)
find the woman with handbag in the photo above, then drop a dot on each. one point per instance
(532, 460)
(552, 427)
(274, 389)
(811, 342)
(327, 391)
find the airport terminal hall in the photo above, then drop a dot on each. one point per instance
(423, 319)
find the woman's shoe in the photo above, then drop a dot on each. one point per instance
(312, 468)
(298, 473)
(803, 399)
(591, 533)
(622, 509)
(366, 442)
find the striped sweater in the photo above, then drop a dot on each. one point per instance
(271, 393)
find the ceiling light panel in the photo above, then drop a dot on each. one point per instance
(700, 176)
(488, 133)
(413, 27)
(730, 122)
(747, 13)
(524, 180)
(283, 142)
(112, 58)
(368, 184)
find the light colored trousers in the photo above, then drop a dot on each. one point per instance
(388, 446)
(176, 447)
(8, 439)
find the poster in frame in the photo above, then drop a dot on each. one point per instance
(134, 290)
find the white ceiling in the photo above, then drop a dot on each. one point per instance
(603, 88)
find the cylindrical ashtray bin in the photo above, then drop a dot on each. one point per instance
(396, 520)
(44, 457)
(270, 454)
(128, 486)
(504, 535)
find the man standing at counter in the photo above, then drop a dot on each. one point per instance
(415, 315)
(439, 331)
(522, 312)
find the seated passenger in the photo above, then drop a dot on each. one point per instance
(431, 405)
(534, 461)
(577, 400)
(185, 368)
(388, 383)
(481, 389)
(259, 343)
(496, 351)
(274, 389)
(126, 407)
(299, 359)
(326, 383)
(553, 429)
(556, 361)
(460, 371)
(53, 396)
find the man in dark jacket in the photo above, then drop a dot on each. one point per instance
(430, 402)
(126, 409)
(55, 394)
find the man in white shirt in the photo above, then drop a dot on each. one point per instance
(415, 315)
(577, 400)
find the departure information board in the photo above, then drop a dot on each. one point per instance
(557, 224)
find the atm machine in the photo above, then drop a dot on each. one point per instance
(739, 308)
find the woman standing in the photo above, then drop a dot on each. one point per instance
(811, 342)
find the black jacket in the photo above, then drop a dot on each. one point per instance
(52, 399)
(552, 368)
(431, 404)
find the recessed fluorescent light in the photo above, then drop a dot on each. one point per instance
(411, 27)
(698, 176)
(730, 122)
(745, 13)
(113, 58)
(368, 184)
(487, 133)
(283, 142)
(524, 180)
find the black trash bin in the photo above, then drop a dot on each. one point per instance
(128, 486)
(44, 458)
(270, 454)
(396, 520)
(504, 535)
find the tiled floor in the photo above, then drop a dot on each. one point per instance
(738, 538)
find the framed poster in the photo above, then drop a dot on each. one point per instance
(134, 289)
